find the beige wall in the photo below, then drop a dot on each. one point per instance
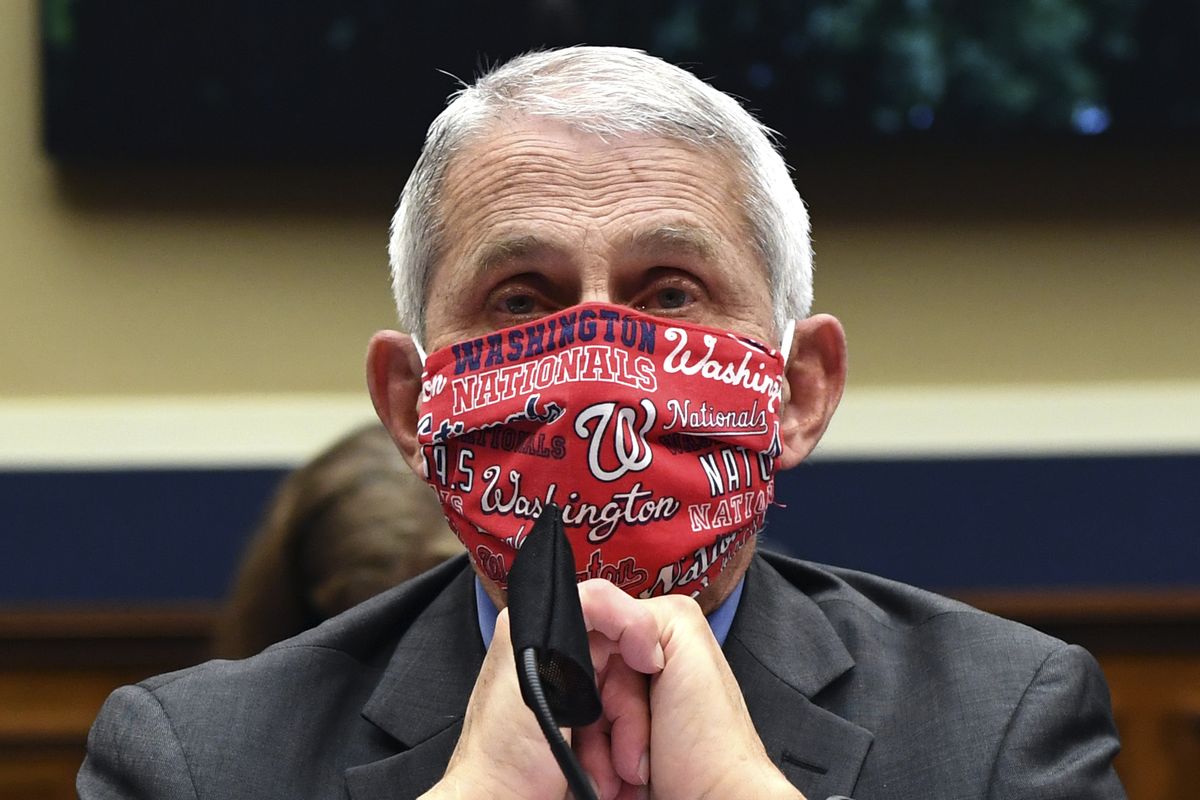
(945, 271)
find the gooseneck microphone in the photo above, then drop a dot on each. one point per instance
(550, 642)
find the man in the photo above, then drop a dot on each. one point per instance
(600, 254)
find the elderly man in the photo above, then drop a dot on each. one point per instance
(606, 272)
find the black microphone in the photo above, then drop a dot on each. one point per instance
(550, 642)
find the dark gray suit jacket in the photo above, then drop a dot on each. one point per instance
(857, 685)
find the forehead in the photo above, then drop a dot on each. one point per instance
(571, 216)
(544, 181)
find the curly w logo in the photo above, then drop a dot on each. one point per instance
(617, 441)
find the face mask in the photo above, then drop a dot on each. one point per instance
(657, 440)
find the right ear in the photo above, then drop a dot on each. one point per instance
(394, 380)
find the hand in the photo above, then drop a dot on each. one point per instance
(615, 750)
(702, 741)
(501, 752)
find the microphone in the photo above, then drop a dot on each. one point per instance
(550, 642)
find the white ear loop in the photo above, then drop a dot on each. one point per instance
(785, 346)
(420, 350)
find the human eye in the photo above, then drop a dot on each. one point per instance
(519, 304)
(516, 301)
(669, 292)
(670, 297)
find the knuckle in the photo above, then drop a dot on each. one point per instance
(593, 588)
(684, 611)
(682, 606)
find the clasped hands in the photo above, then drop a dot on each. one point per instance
(674, 723)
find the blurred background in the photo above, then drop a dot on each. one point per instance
(1006, 219)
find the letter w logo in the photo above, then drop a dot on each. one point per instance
(617, 439)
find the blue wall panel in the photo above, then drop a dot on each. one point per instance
(999, 522)
(1100, 521)
(126, 535)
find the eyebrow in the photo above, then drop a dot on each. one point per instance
(681, 238)
(674, 238)
(508, 249)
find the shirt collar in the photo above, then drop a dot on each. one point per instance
(719, 620)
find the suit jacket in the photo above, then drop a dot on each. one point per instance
(857, 685)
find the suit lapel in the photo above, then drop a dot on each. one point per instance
(422, 697)
(784, 652)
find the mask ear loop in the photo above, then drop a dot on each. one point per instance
(420, 350)
(785, 345)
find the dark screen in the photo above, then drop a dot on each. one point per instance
(357, 80)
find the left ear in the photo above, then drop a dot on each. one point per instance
(814, 379)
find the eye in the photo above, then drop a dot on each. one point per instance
(672, 297)
(519, 304)
(520, 298)
(668, 291)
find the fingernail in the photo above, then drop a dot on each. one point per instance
(660, 658)
(644, 768)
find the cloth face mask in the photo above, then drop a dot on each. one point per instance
(657, 439)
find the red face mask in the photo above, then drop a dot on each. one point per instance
(656, 438)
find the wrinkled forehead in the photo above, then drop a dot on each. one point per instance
(522, 173)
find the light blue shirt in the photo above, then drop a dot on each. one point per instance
(719, 620)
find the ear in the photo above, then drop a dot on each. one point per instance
(394, 380)
(814, 379)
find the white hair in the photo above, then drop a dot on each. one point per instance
(607, 91)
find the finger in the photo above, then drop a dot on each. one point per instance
(625, 621)
(501, 637)
(602, 649)
(626, 700)
(676, 614)
(631, 792)
(591, 745)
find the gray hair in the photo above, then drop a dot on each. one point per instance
(607, 91)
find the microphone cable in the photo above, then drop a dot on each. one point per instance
(531, 684)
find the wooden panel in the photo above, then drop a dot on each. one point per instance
(56, 668)
(55, 706)
(1078, 605)
(39, 773)
(116, 637)
(1156, 700)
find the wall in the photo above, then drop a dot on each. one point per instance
(1020, 304)
(945, 271)
(198, 282)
